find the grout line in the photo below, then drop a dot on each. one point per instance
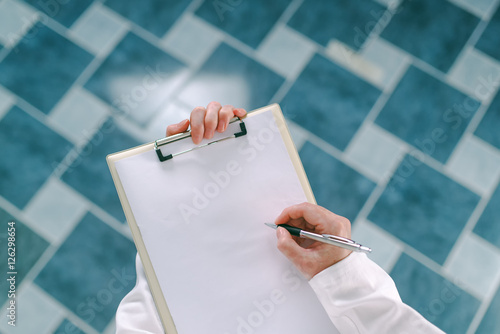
(483, 308)
(76, 320)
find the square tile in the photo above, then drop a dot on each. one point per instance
(487, 130)
(78, 115)
(476, 264)
(37, 313)
(385, 249)
(55, 210)
(99, 29)
(424, 208)
(286, 51)
(49, 62)
(375, 152)
(136, 78)
(329, 101)
(481, 8)
(489, 42)
(173, 113)
(15, 20)
(476, 164)
(29, 247)
(336, 186)
(418, 29)
(352, 61)
(230, 77)
(6, 101)
(89, 173)
(156, 16)
(67, 327)
(487, 226)
(235, 17)
(491, 321)
(389, 59)
(40, 148)
(191, 40)
(102, 272)
(440, 301)
(477, 74)
(65, 12)
(427, 114)
(348, 21)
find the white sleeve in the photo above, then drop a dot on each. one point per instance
(360, 297)
(137, 311)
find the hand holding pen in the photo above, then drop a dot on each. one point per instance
(309, 256)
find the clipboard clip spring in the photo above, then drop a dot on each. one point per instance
(187, 134)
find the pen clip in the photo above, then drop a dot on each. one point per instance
(337, 238)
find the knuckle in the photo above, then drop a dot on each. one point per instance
(213, 104)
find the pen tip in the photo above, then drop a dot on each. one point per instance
(271, 225)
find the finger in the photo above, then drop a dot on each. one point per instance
(293, 213)
(198, 124)
(225, 115)
(240, 112)
(211, 119)
(177, 128)
(288, 246)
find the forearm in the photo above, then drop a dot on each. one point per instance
(360, 297)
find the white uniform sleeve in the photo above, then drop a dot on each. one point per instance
(360, 297)
(137, 311)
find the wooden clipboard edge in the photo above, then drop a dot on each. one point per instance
(154, 285)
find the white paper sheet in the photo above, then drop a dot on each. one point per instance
(202, 217)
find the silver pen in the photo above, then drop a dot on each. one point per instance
(325, 238)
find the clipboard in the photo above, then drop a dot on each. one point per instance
(175, 153)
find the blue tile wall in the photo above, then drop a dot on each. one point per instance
(133, 77)
(234, 17)
(427, 113)
(89, 174)
(350, 22)
(226, 65)
(329, 101)
(91, 272)
(29, 247)
(419, 113)
(489, 42)
(488, 128)
(417, 28)
(322, 168)
(437, 299)
(491, 321)
(417, 208)
(156, 16)
(67, 327)
(488, 225)
(42, 151)
(65, 12)
(50, 63)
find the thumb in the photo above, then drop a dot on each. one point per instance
(288, 246)
(177, 128)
